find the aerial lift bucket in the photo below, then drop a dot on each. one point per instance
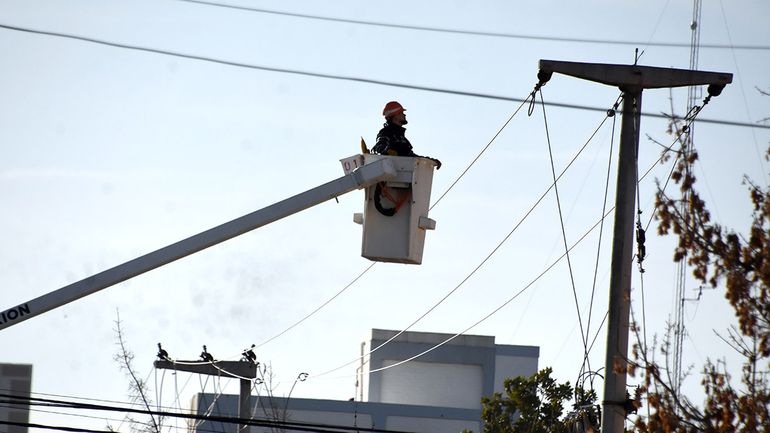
(395, 215)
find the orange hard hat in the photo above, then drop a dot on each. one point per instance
(392, 108)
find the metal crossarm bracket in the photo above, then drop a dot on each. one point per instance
(635, 77)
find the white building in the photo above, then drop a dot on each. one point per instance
(439, 392)
(16, 380)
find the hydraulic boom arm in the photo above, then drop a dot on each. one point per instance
(361, 178)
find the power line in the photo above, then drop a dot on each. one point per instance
(690, 119)
(563, 231)
(52, 427)
(307, 316)
(480, 265)
(610, 113)
(368, 268)
(500, 307)
(517, 294)
(473, 32)
(8, 406)
(346, 78)
(114, 403)
(316, 74)
(259, 422)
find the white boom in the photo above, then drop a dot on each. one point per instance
(363, 177)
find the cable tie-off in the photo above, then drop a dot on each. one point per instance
(612, 111)
(542, 78)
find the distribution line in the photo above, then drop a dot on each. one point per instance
(7, 390)
(598, 223)
(63, 414)
(215, 402)
(73, 405)
(484, 149)
(677, 138)
(86, 399)
(480, 265)
(673, 166)
(760, 157)
(260, 422)
(496, 310)
(611, 113)
(344, 78)
(681, 132)
(295, 324)
(298, 322)
(457, 179)
(472, 32)
(462, 174)
(26, 425)
(511, 299)
(158, 390)
(563, 230)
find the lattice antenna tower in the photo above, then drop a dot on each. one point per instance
(694, 93)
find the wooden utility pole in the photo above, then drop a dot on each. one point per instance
(243, 370)
(631, 79)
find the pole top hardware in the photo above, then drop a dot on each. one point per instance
(231, 369)
(634, 78)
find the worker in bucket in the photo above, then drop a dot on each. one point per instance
(391, 139)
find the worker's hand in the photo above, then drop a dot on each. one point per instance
(438, 163)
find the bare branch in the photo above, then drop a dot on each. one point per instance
(137, 387)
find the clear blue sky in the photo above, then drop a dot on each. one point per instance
(108, 153)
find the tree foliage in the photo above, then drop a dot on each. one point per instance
(737, 261)
(535, 404)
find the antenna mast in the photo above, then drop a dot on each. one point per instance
(694, 94)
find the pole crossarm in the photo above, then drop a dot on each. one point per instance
(634, 76)
(231, 369)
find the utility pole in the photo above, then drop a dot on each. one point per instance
(243, 370)
(631, 79)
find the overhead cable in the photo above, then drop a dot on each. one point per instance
(473, 32)
(563, 230)
(368, 268)
(760, 158)
(516, 295)
(690, 118)
(484, 149)
(345, 78)
(260, 422)
(26, 425)
(500, 307)
(483, 261)
(610, 113)
(307, 316)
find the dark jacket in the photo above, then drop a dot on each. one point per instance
(391, 141)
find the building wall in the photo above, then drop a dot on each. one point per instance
(425, 419)
(514, 361)
(15, 379)
(432, 384)
(440, 391)
(471, 363)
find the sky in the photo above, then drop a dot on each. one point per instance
(108, 153)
